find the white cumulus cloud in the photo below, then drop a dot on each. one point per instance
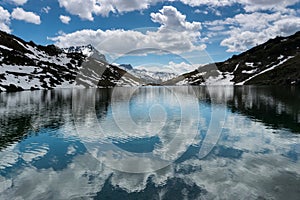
(248, 5)
(277, 5)
(175, 34)
(19, 2)
(85, 9)
(30, 17)
(238, 33)
(170, 18)
(250, 29)
(65, 19)
(4, 20)
(208, 2)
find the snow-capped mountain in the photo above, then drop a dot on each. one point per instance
(87, 50)
(276, 62)
(27, 66)
(149, 77)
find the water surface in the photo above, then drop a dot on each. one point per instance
(144, 143)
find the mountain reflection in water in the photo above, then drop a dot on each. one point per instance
(44, 156)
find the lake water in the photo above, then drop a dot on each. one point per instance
(151, 143)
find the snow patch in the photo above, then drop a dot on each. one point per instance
(249, 72)
(250, 64)
(6, 48)
(280, 57)
(222, 79)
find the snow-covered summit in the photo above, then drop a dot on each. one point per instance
(87, 50)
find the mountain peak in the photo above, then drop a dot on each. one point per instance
(87, 50)
(126, 66)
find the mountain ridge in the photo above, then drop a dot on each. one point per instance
(276, 62)
(27, 66)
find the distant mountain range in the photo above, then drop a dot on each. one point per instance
(148, 77)
(27, 66)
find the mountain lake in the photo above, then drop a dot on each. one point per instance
(184, 142)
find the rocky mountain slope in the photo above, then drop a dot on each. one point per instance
(276, 62)
(27, 66)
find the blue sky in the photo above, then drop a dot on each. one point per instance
(199, 31)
